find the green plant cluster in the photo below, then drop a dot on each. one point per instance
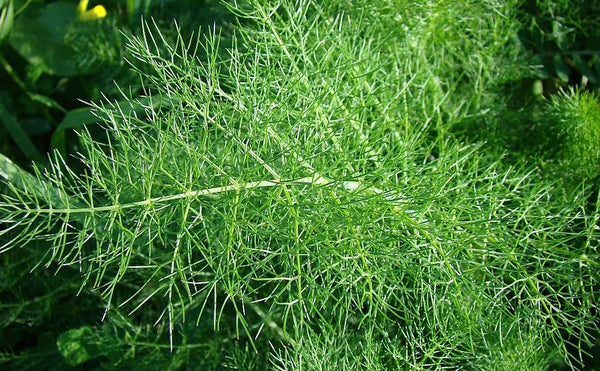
(573, 122)
(564, 37)
(324, 186)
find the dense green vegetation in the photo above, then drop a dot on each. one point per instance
(319, 185)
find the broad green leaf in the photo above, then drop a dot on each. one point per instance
(74, 119)
(39, 38)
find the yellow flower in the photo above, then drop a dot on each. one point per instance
(88, 15)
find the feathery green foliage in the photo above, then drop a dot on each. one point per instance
(300, 197)
(573, 121)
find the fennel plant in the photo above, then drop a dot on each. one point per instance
(301, 199)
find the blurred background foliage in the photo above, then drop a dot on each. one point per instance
(564, 38)
(51, 62)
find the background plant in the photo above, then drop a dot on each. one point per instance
(305, 196)
(52, 60)
(564, 37)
